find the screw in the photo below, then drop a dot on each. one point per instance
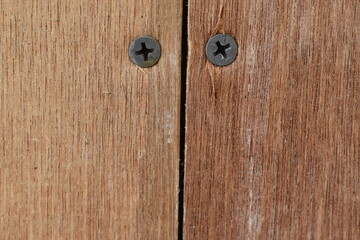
(221, 49)
(144, 51)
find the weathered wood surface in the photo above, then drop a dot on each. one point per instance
(89, 143)
(273, 140)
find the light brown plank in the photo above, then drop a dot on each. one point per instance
(273, 140)
(89, 143)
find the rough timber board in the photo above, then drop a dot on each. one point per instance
(88, 142)
(273, 140)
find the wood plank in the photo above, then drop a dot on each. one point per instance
(89, 143)
(273, 140)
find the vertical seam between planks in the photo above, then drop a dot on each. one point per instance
(184, 55)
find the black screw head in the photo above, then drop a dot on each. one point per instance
(144, 51)
(221, 50)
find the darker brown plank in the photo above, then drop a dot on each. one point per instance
(273, 140)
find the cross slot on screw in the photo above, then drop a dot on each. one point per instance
(221, 49)
(144, 51)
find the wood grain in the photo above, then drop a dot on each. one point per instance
(89, 143)
(273, 140)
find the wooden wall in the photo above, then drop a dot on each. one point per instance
(90, 144)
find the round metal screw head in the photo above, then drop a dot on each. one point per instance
(221, 49)
(144, 51)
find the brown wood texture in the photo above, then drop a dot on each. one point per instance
(89, 143)
(273, 140)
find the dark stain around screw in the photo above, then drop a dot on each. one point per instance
(221, 49)
(144, 51)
